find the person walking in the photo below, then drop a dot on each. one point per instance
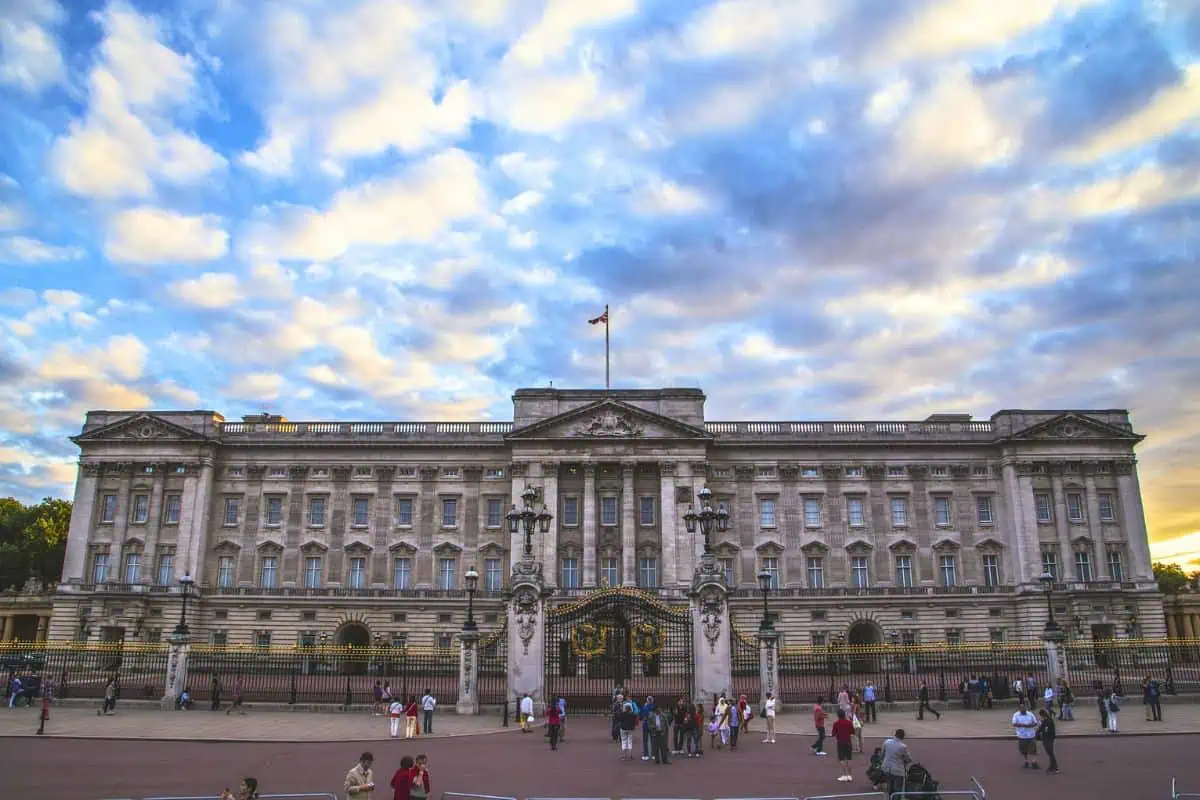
(428, 704)
(562, 719)
(1066, 700)
(680, 726)
(818, 713)
(856, 721)
(1114, 711)
(698, 725)
(553, 721)
(110, 697)
(526, 712)
(657, 724)
(923, 703)
(1046, 733)
(627, 721)
(1026, 724)
(215, 691)
(735, 724)
(895, 762)
(237, 698)
(360, 779)
(724, 714)
(869, 699)
(1048, 699)
(843, 700)
(15, 690)
(843, 734)
(985, 690)
(1101, 703)
(386, 696)
(769, 714)
(617, 709)
(410, 718)
(395, 713)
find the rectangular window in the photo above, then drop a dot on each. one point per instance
(895, 472)
(727, 569)
(449, 512)
(1083, 566)
(646, 510)
(1107, 513)
(494, 472)
(860, 576)
(316, 512)
(141, 508)
(983, 510)
(766, 513)
(108, 508)
(225, 572)
(941, 511)
(899, 511)
(404, 515)
(133, 568)
(904, 571)
(358, 572)
(818, 639)
(232, 507)
(447, 577)
(854, 472)
(979, 471)
(608, 572)
(495, 512)
(570, 573)
(1115, 568)
(277, 472)
(996, 635)
(172, 509)
(949, 570)
(810, 472)
(1045, 509)
(262, 639)
(991, 569)
(1050, 563)
(570, 515)
(166, 569)
(268, 572)
(100, 568)
(854, 511)
(362, 511)
(771, 565)
(608, 511)
(648, 573)
(402, 573)
(766, 472)
(939, 472)
(812, 512)
(953, 636)
(1075, 507)
(493, 578)
(312, 572)
(816, 573)
(274, 510)
(220, 638)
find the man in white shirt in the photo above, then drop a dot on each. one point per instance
(526, 711)
(1025, 723)
(428, 704)
(769, 713)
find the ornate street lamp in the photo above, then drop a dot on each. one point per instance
(185, 588)
(1131, 625)
(472, 578)
(893, 637)
(764, 585)
(707, 517)
(529, 519)
(1048, 582)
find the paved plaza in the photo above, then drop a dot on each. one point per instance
(310, 752)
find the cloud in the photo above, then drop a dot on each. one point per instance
(754, 28)
(665, 197)
(254, 386)
(10, 217)
(123, 357)
(147, 235)
(210, 290)
(561, 21)
(178, 395)
(521, 203)
(30, 59)
(26, 250)
(532, 173)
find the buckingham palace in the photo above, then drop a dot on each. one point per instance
(944, 530)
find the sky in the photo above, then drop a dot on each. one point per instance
(374, 209)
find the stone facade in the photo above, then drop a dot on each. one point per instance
(933, 530)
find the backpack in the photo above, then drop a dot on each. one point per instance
(1113, 705)
(656, 721)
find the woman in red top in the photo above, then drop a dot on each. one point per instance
(744, 704)
(554, 722)
(402, 780)
(410, 717)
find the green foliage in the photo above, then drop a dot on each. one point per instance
(1171, 577)
(33, 541)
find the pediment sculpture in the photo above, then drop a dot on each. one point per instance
(609, 424)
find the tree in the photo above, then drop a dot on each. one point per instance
(1171, 577)
(33, 541)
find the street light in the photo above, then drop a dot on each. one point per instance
(764, 584)
(706, 517)
(185, 588)
(893, 637)
(1048, 582)
(528, 518)
(472, 578)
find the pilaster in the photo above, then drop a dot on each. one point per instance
(75, 560)
(526, 633)
(550, 540)
(628, 529)
(711, 644)
(198, 490)
(669, 526)
(1062, 526)
(177, 658)
(1133, 520)
(468, 673)
(589, 526)
(768, 666)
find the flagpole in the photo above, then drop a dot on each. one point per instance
(606, 323)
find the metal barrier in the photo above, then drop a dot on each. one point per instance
(847, 796)
(465, 796)
(1178, 795)
(302, 796)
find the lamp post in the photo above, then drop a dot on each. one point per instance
(1048, 583)
(185, 588)
(707, 517)
(472, 579)
(893, 637)
(529, 519)
(764, 585)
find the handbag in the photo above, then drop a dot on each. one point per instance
(762, 712)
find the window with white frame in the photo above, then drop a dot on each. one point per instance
(953, 636)
(449, 512)
(404, 511)
(358, 573)
(268, 572)
(816, 572)
(570, 573)
(447, 573)
(854, 512)
(979, 471)
(274, 511)
(983, 509)
(450, 472)
(766, 512)
(770, 564)
(316, 512)
(172, 509)
(493, 576)
(941, 511)
(904, 570)
(860, 574)
(166, 569)
(608, 510)
(277, 472)
(362, 472)
(940, 471)
(99, 567)
(646, 510)
(609, 572)
(895, 472)
(766, 473)
(812, 512)
(854, 472)
(108, 508)
(1116, 569)
(225, 572)
(362, 512)
(312, 572)
(141, 508)
(262, 639)
(133, 568)
(991, 569)
(232, 509)
(948, 569)
(727, 570)
(899, 507)
(648, 572)
(493, 473)
(1107, 511)
(402, 573)
(495, 512)
(1075, 507)
(1050, 562)
(818, 638)
(1045, 508)
(1083, 566)
(810, 472)
(570, 512)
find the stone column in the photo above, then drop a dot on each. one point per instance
(768, 666)
(1067, 565)
(468, 673)
(526, 634)
(75, 561)
(6, 627)
(1022, 523)
(1189, 630)
(669, 526)
(628, 529)
(711, 643)
(589, 525)
(1172, 632)
(177, 658)
(120, 526)
(1056, 665)
(550, 540)
(42, 628)
(1133, 521)
(193, 529)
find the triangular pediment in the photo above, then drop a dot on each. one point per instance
(144, 427)
(609, 419)
(1070, 426)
